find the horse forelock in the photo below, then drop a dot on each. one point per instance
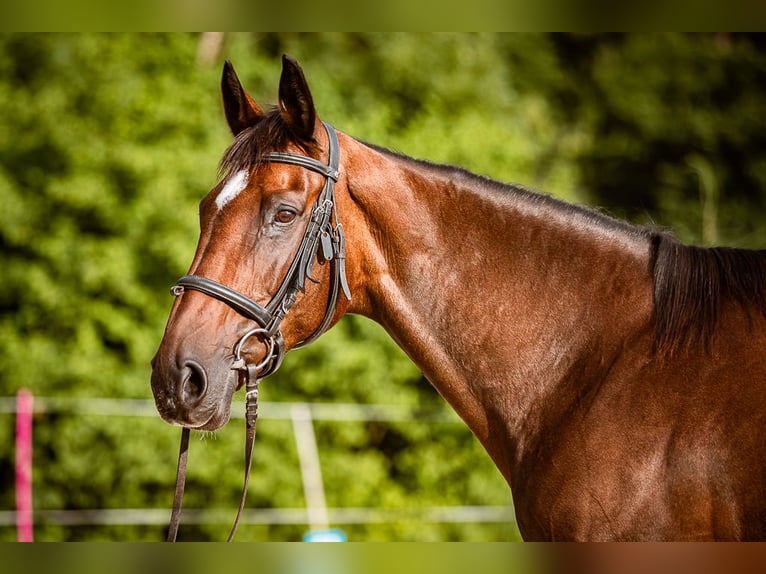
(249, 147)
(693, 284)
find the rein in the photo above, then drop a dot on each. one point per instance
(321, 238)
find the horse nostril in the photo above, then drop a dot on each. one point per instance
(194, 382)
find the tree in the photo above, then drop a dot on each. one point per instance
(676, 137)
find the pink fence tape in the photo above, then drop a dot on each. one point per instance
(24, 408)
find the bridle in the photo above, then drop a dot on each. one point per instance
(321, 240)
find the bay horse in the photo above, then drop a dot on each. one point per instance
(616, 377)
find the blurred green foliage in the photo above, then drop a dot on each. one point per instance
(107, 143)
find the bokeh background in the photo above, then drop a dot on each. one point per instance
(107, 144)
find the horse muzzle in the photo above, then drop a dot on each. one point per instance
(189, 395)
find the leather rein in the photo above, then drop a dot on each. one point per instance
(322, 240)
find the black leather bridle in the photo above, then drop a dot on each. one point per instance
(322, 240)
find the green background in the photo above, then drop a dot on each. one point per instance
(108, 142)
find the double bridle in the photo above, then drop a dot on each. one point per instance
(321, 240)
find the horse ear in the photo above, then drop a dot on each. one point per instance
(241, 110)
(295, 102)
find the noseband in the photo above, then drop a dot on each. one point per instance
(322, 241)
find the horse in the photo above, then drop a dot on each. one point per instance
(615, 376)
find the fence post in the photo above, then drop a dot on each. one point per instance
(311, 471)
(24, 410)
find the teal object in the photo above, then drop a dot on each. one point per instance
(328, 535)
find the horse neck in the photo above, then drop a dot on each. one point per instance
(500, 296)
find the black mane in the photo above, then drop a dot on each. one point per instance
(693, 284)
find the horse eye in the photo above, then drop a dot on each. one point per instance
(285, 216)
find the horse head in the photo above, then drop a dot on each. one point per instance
(270, 260)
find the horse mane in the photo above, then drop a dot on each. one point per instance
(693, 284)
(250, 146)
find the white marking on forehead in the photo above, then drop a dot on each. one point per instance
(232, 189)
